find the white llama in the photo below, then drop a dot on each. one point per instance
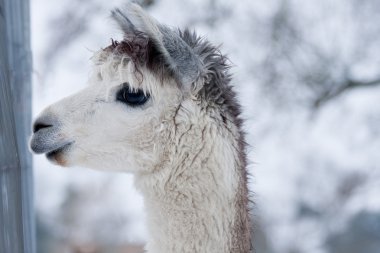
(160, 106)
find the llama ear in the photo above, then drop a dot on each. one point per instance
(133, 21)
(177, 56)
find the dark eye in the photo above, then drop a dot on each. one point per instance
(131, 97)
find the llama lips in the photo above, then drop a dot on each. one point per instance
(47, 141)
(49, 147)
(54, 153)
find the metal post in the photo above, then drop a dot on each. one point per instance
(16, 199)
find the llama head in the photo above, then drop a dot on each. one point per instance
(124, 119)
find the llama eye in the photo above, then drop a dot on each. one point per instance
(131, 97)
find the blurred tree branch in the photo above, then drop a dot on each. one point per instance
(348, 85)
(312, 60)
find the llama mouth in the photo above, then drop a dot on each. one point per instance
(56, 153)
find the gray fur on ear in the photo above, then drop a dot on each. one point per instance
(178, 57)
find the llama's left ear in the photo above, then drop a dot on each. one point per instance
(177, 56)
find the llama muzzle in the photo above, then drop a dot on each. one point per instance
(47, 138)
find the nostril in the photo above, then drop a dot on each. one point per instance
(39, 125)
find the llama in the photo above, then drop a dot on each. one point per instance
(160, 106)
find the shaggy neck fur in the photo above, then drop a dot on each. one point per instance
(196, 200)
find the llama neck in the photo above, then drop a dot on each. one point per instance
(197, 202)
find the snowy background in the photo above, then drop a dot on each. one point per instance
(308, 76)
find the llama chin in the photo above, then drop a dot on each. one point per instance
(161, 106)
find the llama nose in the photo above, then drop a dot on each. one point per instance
(41, 124)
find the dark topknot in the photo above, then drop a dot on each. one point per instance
(135, 47)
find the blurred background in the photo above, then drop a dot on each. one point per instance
(308, 77)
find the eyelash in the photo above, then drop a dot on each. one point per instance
(131, 97)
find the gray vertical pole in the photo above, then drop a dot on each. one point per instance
(16, 199)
